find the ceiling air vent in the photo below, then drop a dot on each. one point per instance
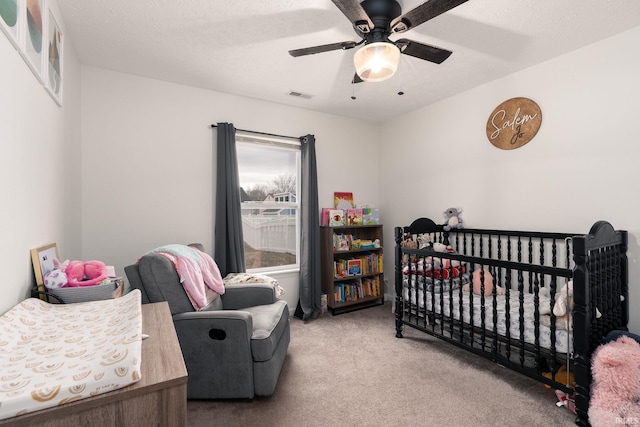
(299, 95)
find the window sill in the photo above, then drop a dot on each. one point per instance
(273, 272)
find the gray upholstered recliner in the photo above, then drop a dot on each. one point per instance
(235, 347)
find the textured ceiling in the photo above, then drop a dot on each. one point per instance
(241, 47)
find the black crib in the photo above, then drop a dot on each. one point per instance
(517, 329)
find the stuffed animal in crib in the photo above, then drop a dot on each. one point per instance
(615, 389)
(87, 273)
(445, 262)
(545, 309)
(434, 267)
(408, 242)
(564, 302)
(476, 282)
(417, 266)
(452, 219)
(563, 307)
(441, 247)
(544, 296)
(424, 240)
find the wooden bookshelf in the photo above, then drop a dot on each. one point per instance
(347, 286)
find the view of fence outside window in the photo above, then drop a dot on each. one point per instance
(269, 171)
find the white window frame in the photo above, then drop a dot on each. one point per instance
(292, 144)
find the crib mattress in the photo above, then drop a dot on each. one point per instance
(51, 354)
(564, 339)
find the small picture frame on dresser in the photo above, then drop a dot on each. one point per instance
(42, 259)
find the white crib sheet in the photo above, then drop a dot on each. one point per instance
(51, 354)
(564, 340)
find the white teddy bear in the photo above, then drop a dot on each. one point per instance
(564, 304)
(564, 301)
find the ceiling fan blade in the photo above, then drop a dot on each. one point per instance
(426, 11)
(423, 51)
(323, 48)
(356, 79)
(356, 14)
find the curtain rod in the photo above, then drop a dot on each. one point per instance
(264, 133)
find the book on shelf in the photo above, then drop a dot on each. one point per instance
(357, 266)
(370, 216)
(357, 289)
(336, 217)
(340, 268)
(343, 200)
(354, 267)
(342, 242)
(346, 242)
(371, 286)
(324, 217)
(354, 216)
(348, 291)
(366, 244)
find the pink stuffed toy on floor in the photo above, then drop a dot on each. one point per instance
(616, 384)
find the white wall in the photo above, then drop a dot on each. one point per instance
(148, 161)
(581, 167)
(39, 183)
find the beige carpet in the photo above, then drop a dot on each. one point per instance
(351, 370)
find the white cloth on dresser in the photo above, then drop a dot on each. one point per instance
(51, 354)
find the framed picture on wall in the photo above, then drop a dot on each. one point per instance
(42, 259)
(53, 58)
(32, 35)
(10, 20)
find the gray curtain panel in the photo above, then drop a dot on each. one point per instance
(228, 239)
(310, 286)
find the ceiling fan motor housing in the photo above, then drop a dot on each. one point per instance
(388, 9)
(381, 13)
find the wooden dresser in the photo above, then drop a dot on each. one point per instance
(158, 399)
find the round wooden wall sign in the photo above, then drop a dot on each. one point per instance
(514, 123)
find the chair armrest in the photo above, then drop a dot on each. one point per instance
(232, 322)
(216, 347)
(244, 295)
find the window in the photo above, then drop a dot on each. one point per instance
(269, 171)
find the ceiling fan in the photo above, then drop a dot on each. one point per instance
(374, 21)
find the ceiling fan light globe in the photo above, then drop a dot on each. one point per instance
(376, 62)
